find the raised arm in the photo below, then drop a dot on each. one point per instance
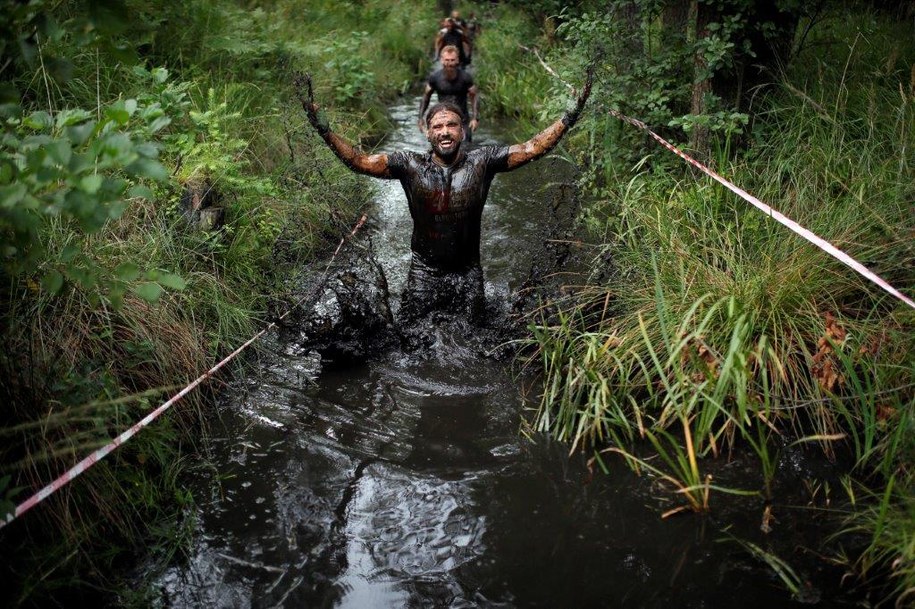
(369, 164)
(423, 106)
(546, 140)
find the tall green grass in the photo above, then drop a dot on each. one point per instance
(886, 518)
(716, 316)
(77, 368)
(526, 92)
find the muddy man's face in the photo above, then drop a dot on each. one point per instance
(445, 134)
(450, 62)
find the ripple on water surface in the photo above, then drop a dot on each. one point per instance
(404, 482)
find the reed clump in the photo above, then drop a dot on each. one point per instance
(718, 330)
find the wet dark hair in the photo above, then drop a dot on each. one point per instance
(445, 107)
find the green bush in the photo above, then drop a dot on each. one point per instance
(77, 172)
(702, 310)
(107, 287)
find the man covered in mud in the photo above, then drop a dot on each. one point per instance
(455, 85)
(452, 34)
(446, 190)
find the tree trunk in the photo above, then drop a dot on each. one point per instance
(675, 21)
(633, 46)
(676, 31)
(702, 83)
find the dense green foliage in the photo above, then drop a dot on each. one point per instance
(118, 117)
(706, 328)
(703, 328)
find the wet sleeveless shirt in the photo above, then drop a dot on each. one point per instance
(446, 203)
(454, 91)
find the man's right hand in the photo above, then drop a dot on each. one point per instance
(307, 98)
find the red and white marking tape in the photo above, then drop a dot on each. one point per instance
(821, 243)
(99, 454)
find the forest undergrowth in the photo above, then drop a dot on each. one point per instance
(160, 187)
(707, 329)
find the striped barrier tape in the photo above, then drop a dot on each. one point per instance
(821, 243)
(824, 245)
(99, 454)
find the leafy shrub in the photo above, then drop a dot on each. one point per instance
(78, 170)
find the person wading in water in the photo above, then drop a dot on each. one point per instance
(446, 190)
(452, 34)
(452, 84)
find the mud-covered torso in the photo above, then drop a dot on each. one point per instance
(454, 91)
(446, 203)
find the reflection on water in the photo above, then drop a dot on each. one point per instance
(405, 482)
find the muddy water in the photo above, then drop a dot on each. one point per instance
(405, 481)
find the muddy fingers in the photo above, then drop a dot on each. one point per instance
(307, 98)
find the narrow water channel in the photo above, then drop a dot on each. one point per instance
(406, 481)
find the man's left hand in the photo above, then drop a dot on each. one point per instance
(571, 116)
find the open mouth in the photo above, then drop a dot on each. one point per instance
(446, 143)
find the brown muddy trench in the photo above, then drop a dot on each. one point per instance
(405, 481)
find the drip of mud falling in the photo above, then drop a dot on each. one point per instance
(399, 478)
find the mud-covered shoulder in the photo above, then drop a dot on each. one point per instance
(495, 156)
(403, 161)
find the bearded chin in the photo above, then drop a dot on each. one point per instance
(448, 155)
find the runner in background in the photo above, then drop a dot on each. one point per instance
(452, 34)
(472, 28)
(452, 84)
